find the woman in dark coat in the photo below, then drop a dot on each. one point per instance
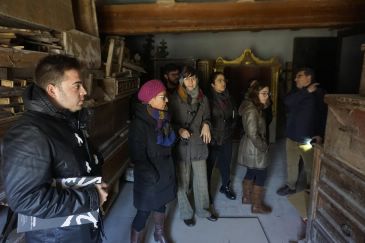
(150, 140)
(223, 115)
(253, 148)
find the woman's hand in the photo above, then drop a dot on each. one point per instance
(184, 133)
(205, 133)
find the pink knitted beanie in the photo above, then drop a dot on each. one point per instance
(150, 89)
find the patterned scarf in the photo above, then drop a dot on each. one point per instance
(165, 134)
(191, 97)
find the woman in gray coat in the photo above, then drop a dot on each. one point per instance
(253, 147)
(190, 112)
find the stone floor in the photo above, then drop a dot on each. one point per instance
(237, 224)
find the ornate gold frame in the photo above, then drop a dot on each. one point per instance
(248, 58)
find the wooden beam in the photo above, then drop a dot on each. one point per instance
(134, 19)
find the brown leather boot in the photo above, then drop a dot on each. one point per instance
(258, 205)
(247, 190)
(159, 234)
(136, 236)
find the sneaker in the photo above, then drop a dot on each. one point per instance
(212, 217)
(285, 190)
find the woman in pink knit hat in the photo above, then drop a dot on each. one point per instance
(150, 141)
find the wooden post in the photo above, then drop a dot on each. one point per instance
(110, 58)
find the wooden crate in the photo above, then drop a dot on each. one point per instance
(120, 87)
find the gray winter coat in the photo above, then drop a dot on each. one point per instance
(252, 151)
(183, 114)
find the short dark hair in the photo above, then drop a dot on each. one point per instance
(170, 67)
(51, 69)
(214, 76)
(253, 93)
(307, 72)
(188, 71)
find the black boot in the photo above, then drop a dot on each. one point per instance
(227, 190)
(159, 234)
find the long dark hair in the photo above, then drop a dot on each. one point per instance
(253, 93)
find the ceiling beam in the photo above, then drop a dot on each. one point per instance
(135, 19)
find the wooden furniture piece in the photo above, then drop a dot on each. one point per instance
(245, 68)
(109, 132)
(362, 82)
(337, 208)
(205, 70)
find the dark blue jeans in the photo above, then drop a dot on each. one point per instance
(256, 175)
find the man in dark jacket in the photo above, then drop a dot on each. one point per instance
(49, 142)
(305, 124)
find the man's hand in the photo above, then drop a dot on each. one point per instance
(317, 139)
(313, 87)
(184, 133)
(205, 133)
(103, 192)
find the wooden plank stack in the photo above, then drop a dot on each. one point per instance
(27, 39)
(11, 101)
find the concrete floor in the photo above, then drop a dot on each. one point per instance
(236, 223)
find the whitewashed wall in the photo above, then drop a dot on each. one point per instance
(230, 45)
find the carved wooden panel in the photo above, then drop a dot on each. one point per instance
(338, 186)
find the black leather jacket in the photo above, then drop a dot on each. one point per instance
(45, 144)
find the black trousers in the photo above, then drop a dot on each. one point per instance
(256, 175)
(222, 156)
(139, 221)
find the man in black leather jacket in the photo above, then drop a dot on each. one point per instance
(49, 142)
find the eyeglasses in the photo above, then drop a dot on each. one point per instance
(265, 93)
(191, 78)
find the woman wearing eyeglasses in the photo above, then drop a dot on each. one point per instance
(253, 148)
(191, 120)
(150, 141)
(223, 114)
